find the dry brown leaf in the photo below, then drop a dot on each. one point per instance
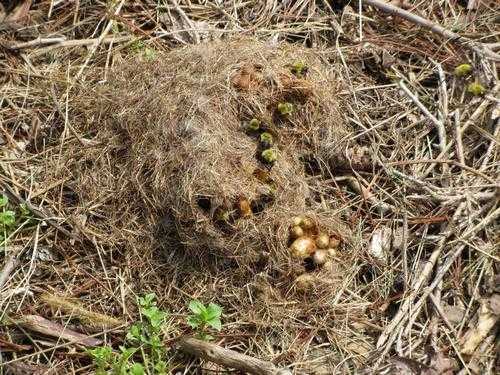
(486, 321)
(244, 207)
(454, 314)
(247, 79)
(21, 368)
(441, 365)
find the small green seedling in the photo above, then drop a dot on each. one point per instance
(476, 89)
(266, 140)
(144, 337)
(254, 125)
(223, 215)
(140, 48)
(463, 70)
(285, 109)
(103, 357)
(7, 218)
(269, 156)
(204, 317)
(299, 69)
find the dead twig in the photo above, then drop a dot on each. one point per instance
(37, 42)
(228, 358)
(481, 49)
(10, 264)
(46, 327)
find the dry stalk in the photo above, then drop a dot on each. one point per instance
(481, 49)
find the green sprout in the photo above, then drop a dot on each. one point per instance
(223, 215)
(476, 89)
(204, 317)
(140, 48)
(254, 125)
(266, 140)
(7, 218)
(269, 156)
(463, 70)
(299, 68)
(103, 358)
(144, 337)
(285, 108)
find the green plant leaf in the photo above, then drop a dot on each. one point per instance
(197, 307)
(127, 352)
(103, 358)
(155, 342)
(148, 300)
(7, 218)
(285, 108)
(193, 321)
(134, 332)
(213, 311)
(160, 368)
(4, 200)
(137, 369)
(215, 323)
(154, 316)
(25, 211)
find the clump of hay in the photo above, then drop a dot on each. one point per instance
(176, 136)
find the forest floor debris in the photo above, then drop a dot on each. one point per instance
(424, 170)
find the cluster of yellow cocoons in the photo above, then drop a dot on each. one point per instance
(309, 242)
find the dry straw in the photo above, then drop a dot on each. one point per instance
(178, 132)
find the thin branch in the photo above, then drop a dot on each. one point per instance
(480, 48)
(228, 358)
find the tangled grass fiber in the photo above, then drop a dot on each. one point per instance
(176, 129)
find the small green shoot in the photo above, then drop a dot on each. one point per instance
(7, 218)
(222, 215)
(476, 89)
(144, 337)
(103, 358)
(204, 317)
(266, 140)
(254, 125)
(12, 218)
(299, 68)
(463, 70)
(286, 108)
(269, 156)
(140, 48)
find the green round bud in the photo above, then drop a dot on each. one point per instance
(463, 70)
(266, 139)
(299, 68)
(476, 89)
(254, 124)
(269, 156)
(285, 108)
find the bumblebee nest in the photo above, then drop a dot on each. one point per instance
(178, 144)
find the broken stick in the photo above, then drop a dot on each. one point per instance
(228, 358)
(46, 327)
(480, 48)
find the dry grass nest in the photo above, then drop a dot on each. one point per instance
(185, 134)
